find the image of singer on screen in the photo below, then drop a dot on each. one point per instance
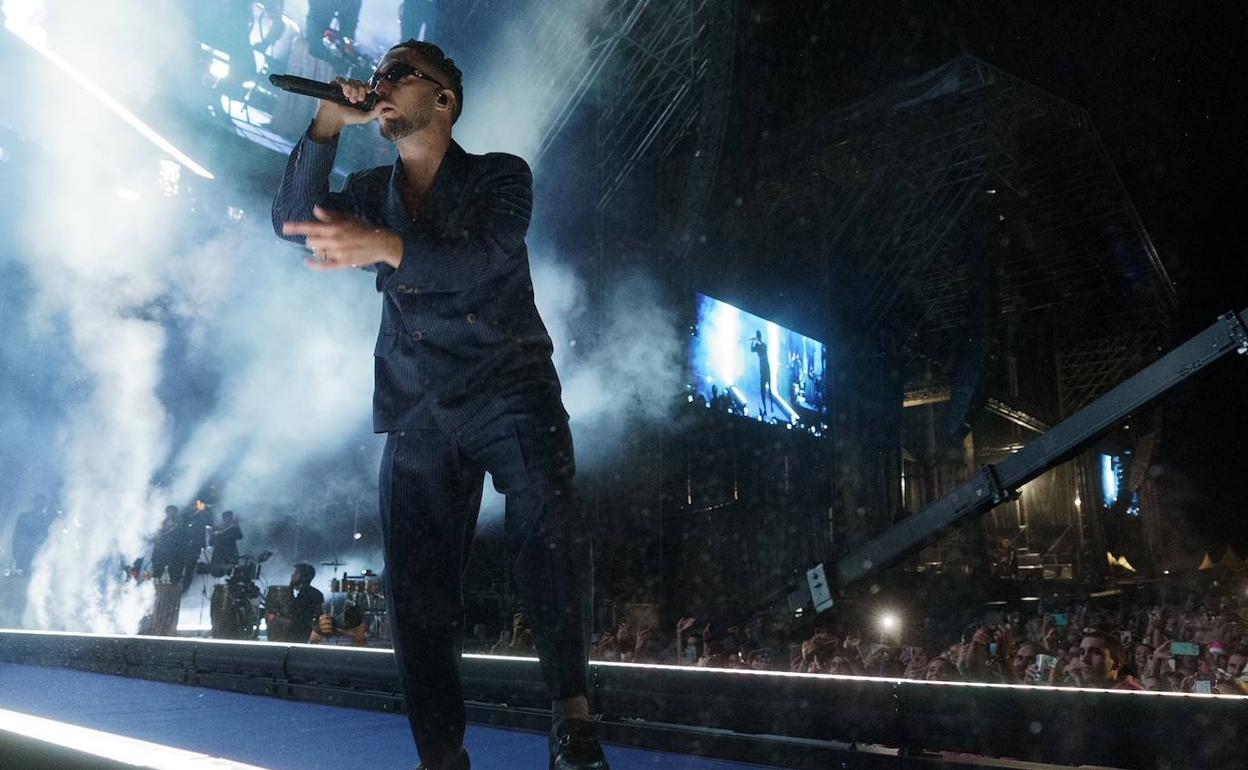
(752, 367)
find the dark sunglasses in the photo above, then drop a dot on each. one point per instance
(396, 73)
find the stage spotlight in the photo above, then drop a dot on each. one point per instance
(889, 622)
(219, 69)
(357, 536)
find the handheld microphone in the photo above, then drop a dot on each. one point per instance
(329, 92)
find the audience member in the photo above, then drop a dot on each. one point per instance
(1129, 647)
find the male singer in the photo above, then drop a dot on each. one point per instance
(464, 384)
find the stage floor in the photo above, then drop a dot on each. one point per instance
(273, 732)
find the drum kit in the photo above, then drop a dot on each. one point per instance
(236, 604)
(279, 600)
(366, 594)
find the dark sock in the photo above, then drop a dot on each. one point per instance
(558, 715)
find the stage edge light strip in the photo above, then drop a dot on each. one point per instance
(693, 670)
(33, 37)
(118, 748)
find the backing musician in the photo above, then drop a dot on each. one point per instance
(225, 539)
(305, 609)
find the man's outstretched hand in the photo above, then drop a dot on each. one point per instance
(341, 241)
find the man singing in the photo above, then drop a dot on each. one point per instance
(464, 384)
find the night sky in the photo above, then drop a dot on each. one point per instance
(1164, 83)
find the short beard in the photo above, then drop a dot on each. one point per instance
(401, 126)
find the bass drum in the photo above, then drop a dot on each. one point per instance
(279, 600)
(221, 613)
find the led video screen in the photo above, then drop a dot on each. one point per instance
(755, 368)
(313, 39)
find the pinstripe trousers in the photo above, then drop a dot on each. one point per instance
(430, 490)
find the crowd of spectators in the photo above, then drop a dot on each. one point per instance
(1198, 646)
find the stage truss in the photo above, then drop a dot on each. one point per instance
(900, 187)
(657, 74)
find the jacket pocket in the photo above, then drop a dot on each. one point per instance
(385, 344)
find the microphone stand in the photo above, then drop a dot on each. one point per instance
(203, 597)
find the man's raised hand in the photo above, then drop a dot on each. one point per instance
(332, 117)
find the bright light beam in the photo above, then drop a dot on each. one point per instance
(118, 748)
(787, 408)
(34, 37)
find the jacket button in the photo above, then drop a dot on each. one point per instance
(418, 335)
(472, 318)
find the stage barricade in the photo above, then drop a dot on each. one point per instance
(849, 710)
(708, 711)
(373, 670)
(249, 667)
(496, 679)
(160, 662)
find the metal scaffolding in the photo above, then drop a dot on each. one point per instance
(904, 190)
(898, 173)
(656, 72)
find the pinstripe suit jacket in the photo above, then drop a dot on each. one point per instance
(459, 329)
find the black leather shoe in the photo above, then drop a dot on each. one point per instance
(458, 762)
(574, 747)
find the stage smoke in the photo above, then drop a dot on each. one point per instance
(145, 371)
(95, 260)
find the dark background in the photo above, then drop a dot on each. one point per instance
(1162, 81)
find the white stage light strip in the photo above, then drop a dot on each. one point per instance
(117, 748)
(199, 640)
(657, 666)
(34, 37)
(912, 682)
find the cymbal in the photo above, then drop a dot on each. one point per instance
(334, 563)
